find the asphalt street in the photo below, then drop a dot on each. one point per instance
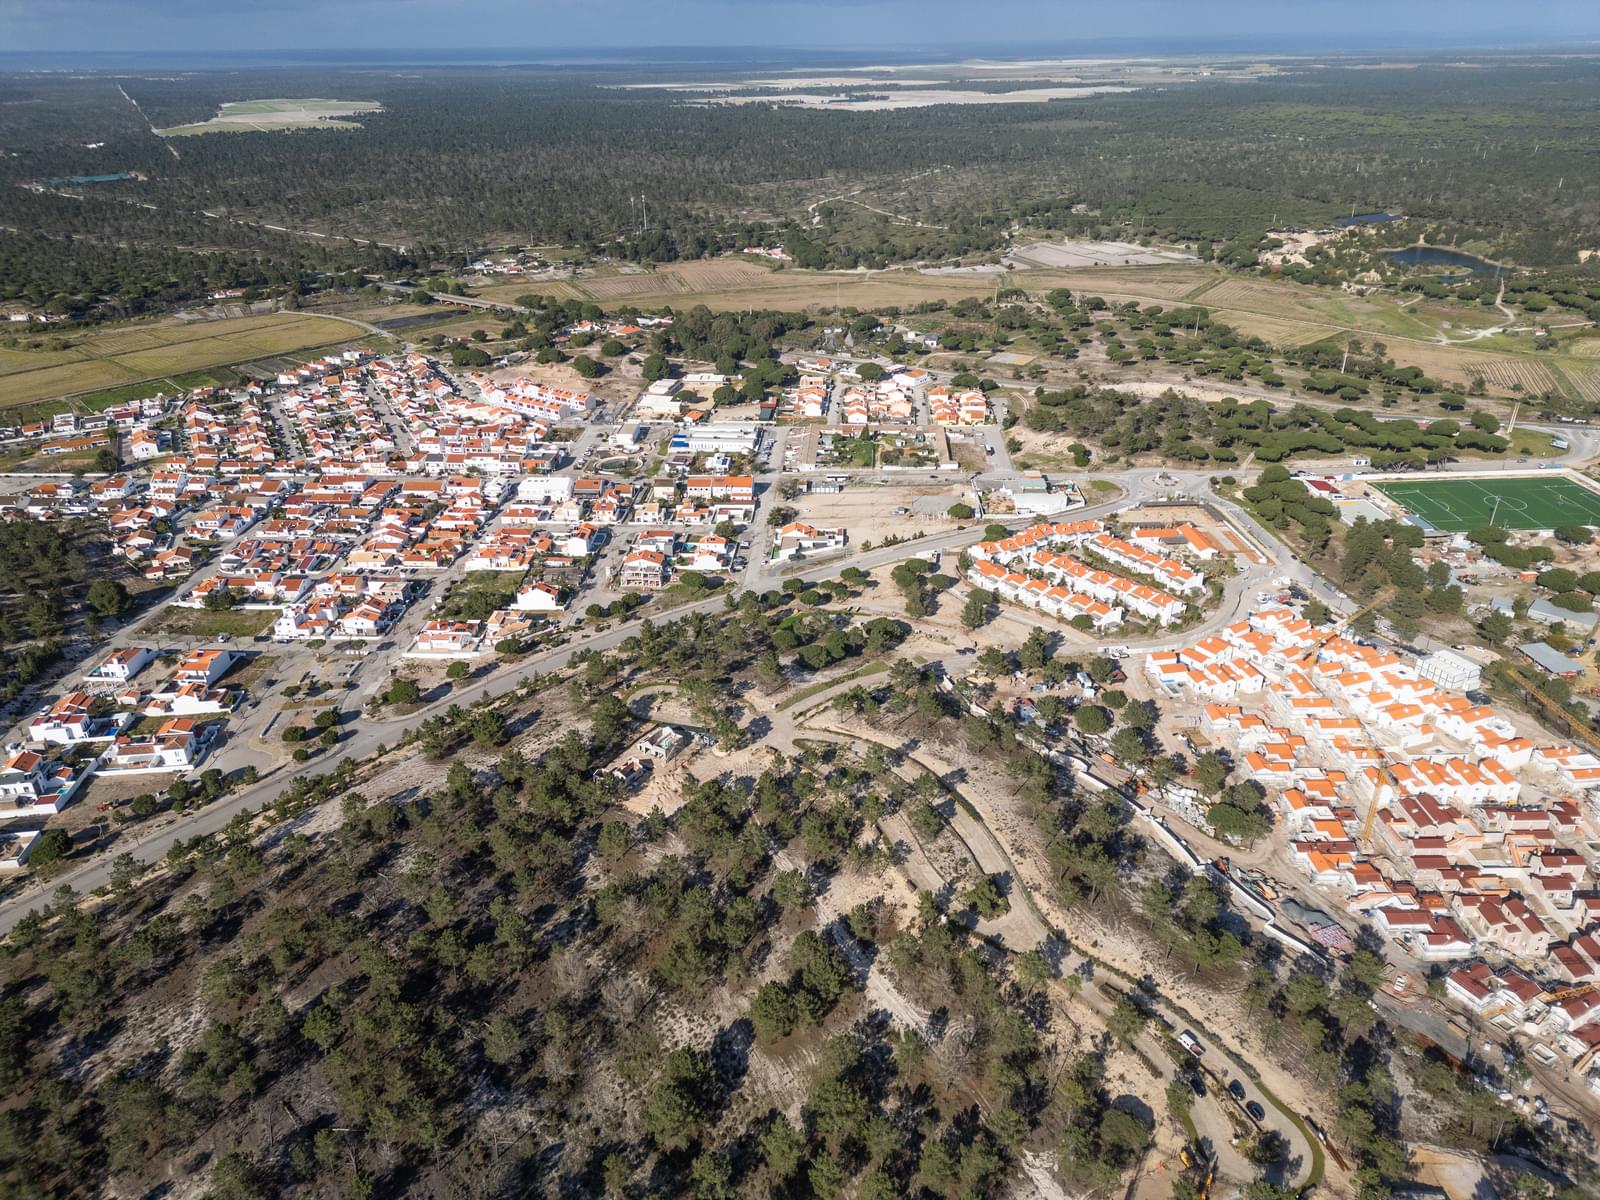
(1138, 486)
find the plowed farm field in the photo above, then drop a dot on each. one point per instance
(1585, 380)
(133, 353)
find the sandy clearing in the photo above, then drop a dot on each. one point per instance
(903, 98)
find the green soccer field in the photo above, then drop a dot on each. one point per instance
(1456, 505)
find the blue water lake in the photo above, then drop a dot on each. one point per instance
(79, 180)
(1438, 256)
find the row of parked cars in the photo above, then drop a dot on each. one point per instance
(1189, 1042)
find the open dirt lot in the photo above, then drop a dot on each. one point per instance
(867, 511)
(157, 349)
(621, 382)
(1093, 254)
(242, 116)
(901, 98)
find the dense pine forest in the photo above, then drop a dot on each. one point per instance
(460, 159)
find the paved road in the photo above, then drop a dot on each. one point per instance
(367, 736)
(370, 733)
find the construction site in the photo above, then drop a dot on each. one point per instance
(1404, 806)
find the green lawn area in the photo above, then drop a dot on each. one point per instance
(479, 593)
(1456, 505)
(97, 401)
(855, 452)
(1532, 442)
(202, 622)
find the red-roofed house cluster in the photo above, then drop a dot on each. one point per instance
(1025, 569)
(1428, 814)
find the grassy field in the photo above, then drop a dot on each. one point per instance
(204, 623)
(1284, 311)
(1456, 505)
(1532, 442)
(1276, 330)
(459, 326)
(118, 395)
(1382, 314)
(508, 292)
(117, 357)
(1429, 334)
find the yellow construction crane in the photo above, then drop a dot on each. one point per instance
(1583, 989)
(1385, 775)
(1584, 735)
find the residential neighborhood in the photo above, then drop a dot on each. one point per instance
(695, 601)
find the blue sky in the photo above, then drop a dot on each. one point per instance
(553, 25)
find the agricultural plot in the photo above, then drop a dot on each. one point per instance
(677, 281)
(1272, 329)
(1520, 502)
(1171, 281)
(630, 287)
(1458, 365)
(1509, 375)
(125, 355)
(12, 361)
(1271, 299)
(719, 274)
(85, 375)
(507, 293)
(1585, 380)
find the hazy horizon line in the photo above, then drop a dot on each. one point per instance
(1297, 45)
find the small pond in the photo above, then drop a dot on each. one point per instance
(80, 180)
(1438, 256)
